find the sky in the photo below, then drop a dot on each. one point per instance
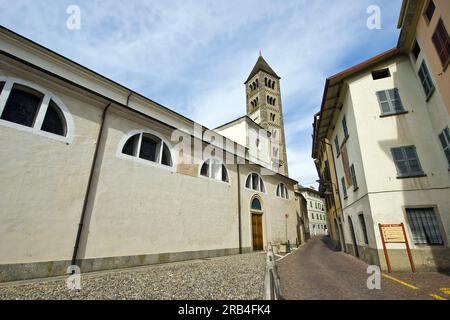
(193, 56)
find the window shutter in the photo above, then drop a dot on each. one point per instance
(441, 41)
(384, 102)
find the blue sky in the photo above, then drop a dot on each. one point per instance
(194, 55)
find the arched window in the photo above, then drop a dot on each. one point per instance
(282, 191)
(148, 147)
(214, 169)
(256, 205)
(32, 108)
(255, 183)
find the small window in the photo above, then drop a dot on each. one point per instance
(215, 170)
(424, 226)
(256, 204)
(444, 137)
(416, 50)
(344, 127)
(430, 10)
(344, 188)
(148, 147)
(54, 121)
(282, 191)
(441, 42)
(336, 145)
(407, 162)
(425, 79)
(22, 106)
(381, 74)
(355, 182)
(362, 222)
(390, 102)
(255, 182)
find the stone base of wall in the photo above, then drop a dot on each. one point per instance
(27, 271)
(425, 260)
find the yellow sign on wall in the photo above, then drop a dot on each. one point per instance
(393, 234)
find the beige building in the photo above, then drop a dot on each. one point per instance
(317, 213)
(93, 174)
(387, 122)
(425, 26)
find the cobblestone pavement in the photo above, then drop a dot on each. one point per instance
(316, 272)
(235, 277)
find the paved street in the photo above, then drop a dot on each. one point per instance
(316, 272)
(234, 277)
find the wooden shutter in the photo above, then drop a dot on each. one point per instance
(441, 41)
(346, 165)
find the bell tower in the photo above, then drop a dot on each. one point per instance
(264, 107)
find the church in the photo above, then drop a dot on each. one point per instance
(96, 175)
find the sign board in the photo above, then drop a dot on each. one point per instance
(395, 233)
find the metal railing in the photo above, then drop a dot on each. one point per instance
(272, 287)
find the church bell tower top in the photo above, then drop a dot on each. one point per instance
(261, 65)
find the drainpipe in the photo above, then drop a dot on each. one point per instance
(88, 190)
(239, 208)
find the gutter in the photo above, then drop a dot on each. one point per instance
(89, 186)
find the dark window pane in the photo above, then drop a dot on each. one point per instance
(381, 74)
(149, 147)
(255, 182)
(364, 228)
(2, 84)
(22, 106)
(224, 174)
(430, 10)
(166, 157)
(54, 121)
(131, 145)
(256, 205)
(416, 51)
(205, 169)
(248, 182)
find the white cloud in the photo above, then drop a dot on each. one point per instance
(194, 55)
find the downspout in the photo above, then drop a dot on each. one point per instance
(89, 186)
(239, 208)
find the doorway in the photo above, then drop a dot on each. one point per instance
(352, 231)
(257, 231)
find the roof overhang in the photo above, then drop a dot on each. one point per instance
(334, 92)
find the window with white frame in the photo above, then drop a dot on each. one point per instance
(444, 137)
(215, 170)
(407, 162)
(282, 191)
(424, 226)
(353, 174)
(28, 107)
(336, 145)
(344, 127)
(344, 188)
(255, 182)
(425, 79)
(148, 147)
(390, 102)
